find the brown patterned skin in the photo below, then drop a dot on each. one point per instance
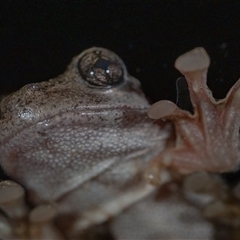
(81, 140)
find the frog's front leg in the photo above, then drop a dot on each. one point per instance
(18, 221)
(208, 139)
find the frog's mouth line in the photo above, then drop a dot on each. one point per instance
(96, 116)
(86, 116)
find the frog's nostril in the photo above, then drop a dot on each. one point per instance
(101, 68)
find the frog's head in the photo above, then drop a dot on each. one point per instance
(84, 121)
(96, 84)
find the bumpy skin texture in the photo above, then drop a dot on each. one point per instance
(81, 142)
(80, 145)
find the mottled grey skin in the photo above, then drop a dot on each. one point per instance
(78, 145)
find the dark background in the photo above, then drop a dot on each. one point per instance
(39, 38)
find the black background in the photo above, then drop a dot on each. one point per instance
(39, 38)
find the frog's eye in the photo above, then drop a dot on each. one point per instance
(101, 68)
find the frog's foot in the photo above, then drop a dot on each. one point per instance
(208, 139)
(17, 221)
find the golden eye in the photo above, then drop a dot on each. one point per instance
(101, 68)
